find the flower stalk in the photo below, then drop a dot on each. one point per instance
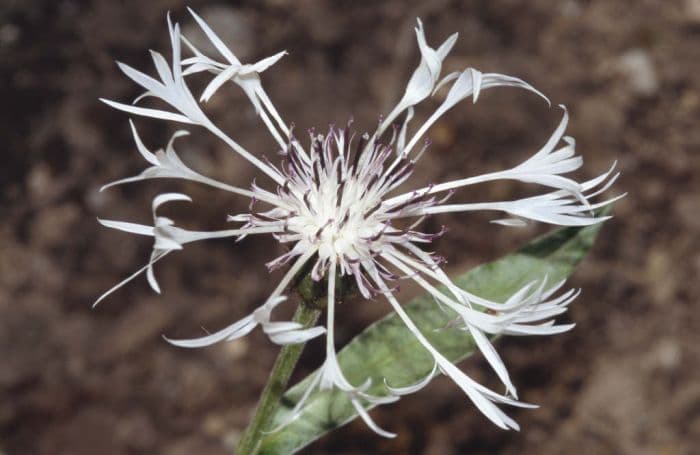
(306, 315)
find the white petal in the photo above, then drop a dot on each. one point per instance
(554, 138)
(517, 329)
(166, 244)
(150, 276)
(199, 57)
(369, 422)
(146, 112)
(142, 79)
(267, 62)
(493, 358)
(218, 81)
(175, 45)
(215, 40)
(490, 410)
(130, 277)
(125, 226)
(428, 55)
(446, 47)
(168, 197)
(476, 83)
(197, 68)
(446, 80)
(147, 154)
(244, 325)
(143, 96)
(162, 67)
(136, 178)
(406, 390)
(401, 140)
(177, 134)
(419, 87)
(272, 328)
(296, 336)
(514, 222)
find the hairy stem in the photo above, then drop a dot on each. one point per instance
(307, 315)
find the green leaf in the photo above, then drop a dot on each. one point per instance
(387, 350)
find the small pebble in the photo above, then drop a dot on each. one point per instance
(637, 66)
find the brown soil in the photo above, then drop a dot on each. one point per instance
(80, 381)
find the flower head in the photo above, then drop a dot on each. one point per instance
(336, 203)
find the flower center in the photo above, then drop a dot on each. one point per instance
(336, 194)
(332, 201)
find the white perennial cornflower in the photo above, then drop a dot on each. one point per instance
(335, 204)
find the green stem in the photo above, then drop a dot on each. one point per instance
(276, 384)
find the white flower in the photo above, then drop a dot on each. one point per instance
(334, 204)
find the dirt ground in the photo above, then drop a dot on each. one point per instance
(79, 381)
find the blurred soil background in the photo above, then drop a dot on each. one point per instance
(79, 381)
